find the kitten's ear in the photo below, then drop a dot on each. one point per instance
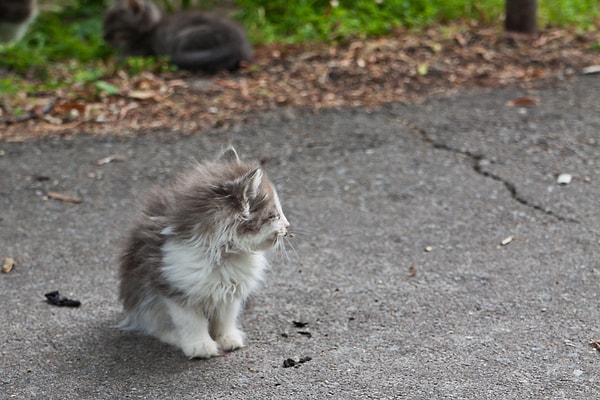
(229, 156)
(136, 5)
(250, 183)
(253, 180)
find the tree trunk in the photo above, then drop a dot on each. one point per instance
(521, 16)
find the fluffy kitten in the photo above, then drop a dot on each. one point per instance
(15, 18)
(196, 252)
(192, 40)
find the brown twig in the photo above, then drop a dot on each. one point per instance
(63, 197)
(32, 114)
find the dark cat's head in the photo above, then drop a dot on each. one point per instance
(228, 203)
(127, 20)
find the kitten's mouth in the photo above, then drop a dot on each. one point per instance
(278, 236)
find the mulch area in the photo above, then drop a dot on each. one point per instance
(407, 67)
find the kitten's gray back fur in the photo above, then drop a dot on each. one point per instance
(15, 18)
(192, 40)
(142, 259)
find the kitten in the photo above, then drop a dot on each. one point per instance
(192, 40)
(15, 18)
(196, 252)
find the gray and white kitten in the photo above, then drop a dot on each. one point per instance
(195, 253)
(192, 39)
(15, 18)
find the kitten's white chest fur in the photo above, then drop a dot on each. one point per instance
(214, 293)
(205, 282)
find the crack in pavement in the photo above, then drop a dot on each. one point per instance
(476, 164)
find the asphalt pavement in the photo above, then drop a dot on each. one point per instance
(435, 256)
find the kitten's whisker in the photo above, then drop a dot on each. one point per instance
(289, 243)
(293, 234)
(280, 249)
(302, 231)
(284, 252)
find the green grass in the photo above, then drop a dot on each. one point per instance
(584, 14)
(270, 21)
(65, 45)
(59, 35)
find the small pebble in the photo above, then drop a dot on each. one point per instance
(507, 240)
(564, 179)
(8, 264)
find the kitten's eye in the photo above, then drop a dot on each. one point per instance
(273, 217)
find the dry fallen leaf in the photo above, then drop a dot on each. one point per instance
(125, 109)
(177, 83)
(413, 271)
(592, 69)
(114, 157)
(63, 197)
(68, 107)
(8, 264)
(142, 94)
(521, 101)
(460, 39)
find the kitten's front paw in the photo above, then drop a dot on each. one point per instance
(231, 340)
(201, 349)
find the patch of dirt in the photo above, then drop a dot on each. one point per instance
(407, 67)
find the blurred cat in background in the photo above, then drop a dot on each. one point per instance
(193, 40)
(15, 18)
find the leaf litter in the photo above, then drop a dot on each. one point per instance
(407, 67)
